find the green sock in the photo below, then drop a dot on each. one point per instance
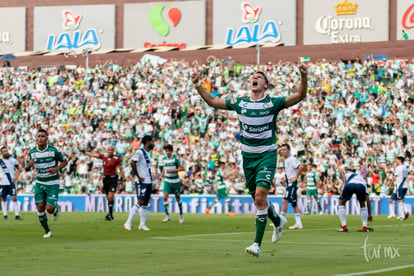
(261, 220)
(319, 206)
(228, 206)
(211, 204)
(180, 206)
(166, 205)
(43, 221)
(308, 207)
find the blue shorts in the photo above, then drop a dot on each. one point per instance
(350, 189)
(143, 190)
(8, 190)
(400, 194)
(291, 194)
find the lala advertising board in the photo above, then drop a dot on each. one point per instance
(74, 28)
(244, 23)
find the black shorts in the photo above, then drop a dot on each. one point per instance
(8, 190)
(110, 183)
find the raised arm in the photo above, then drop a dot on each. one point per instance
(210, 100)
(303, 88)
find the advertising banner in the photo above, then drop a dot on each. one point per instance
(345, 21)
(13, 30)
(405, 19)
(74, 28)
(243, 23)
(177, 24)
(198, 204)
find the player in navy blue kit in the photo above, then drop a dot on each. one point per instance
(354, 183)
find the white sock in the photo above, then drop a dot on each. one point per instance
(297, 219)
(364, 216)
(342, 215)
(401, 209)
(283, 214)
(4, 207)
(391, 209)
(16, 207)
(143, 211)
(132, 213)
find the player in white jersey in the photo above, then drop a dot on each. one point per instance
(257, 116)
(141, 167)
(354, 183)
(293, 169)
(400, 182)
(9, 169)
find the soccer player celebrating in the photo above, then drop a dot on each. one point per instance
(354, 183)
(257, 116)
(47, 161)
(400, 189)
(9, 168)
(170, 165)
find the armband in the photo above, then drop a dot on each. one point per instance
(197, 84)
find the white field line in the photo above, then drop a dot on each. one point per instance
(378, 270)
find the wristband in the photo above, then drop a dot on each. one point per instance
(197, 84)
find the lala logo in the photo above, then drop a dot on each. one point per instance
(252, 34)
(249, 13)
(408, 18)
(72, 39)
(70, 21)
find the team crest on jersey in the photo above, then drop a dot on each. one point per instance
(267, 105)
(243, 111)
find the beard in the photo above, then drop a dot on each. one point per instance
(151, 147)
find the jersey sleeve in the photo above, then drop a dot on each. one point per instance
(136, 156)
(177, 161)
(59, 155)
(279, 103)
(233, 104)
(295, 163)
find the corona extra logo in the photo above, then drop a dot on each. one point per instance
(346, 7)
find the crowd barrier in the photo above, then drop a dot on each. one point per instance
(198, 204)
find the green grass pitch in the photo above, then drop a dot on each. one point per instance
(85, 244)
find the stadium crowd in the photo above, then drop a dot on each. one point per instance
(359, 110)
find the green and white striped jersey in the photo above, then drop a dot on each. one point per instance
(311, 180)
(220, 179)
(43, 161)
(170, 163)
(257, 123)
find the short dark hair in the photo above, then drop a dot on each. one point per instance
(146, 138)
(285, 145)
(168, 147)
(3, 147)
(401, 158)
(264, 76)
(43, 130)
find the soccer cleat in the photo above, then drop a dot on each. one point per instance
(400, 218)
(391, 216)
(127, 226)
(108, 217)
(321, 213)
(166, 219)
(47, 235)
(253, 249)
(231, 214)
(5, 217)
(56, 214)
(343, 229)
(365, 229)
(277, 231)
(208, 211)
(143, 228)
(295, 227)
(306, 213)
(18, 217)
(181, 219)
(406, 215)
